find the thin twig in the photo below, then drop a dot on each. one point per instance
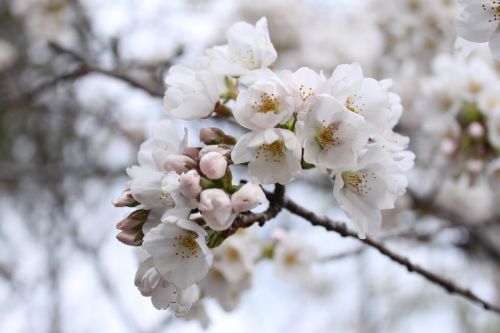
(343, 255)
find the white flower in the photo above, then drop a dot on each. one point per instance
(489, 99)
(331, 135)
(274, 155)
(216, 209)
(346, 81)
(248, 48)
(156, 189)
(247, 197)
(179, 251)
(479, 21)
(235, 258)
(164, 294)
(189, 184)
(154, 152)
(373, 184)
(226, 293)
(265, 104)
(306, 84)
(366, 97)
(293, 257)
(472, 199)
(213, 165)
(191, 93)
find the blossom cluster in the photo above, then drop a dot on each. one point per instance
(185, 199)
(458, 139)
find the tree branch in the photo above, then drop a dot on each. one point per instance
(153, 90)
(342, 230)
(247, 220)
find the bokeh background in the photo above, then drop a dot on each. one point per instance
(80, 87)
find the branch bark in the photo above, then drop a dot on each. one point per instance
(343, 231)
(152, 89)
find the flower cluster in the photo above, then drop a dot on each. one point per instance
(180, 193)
(186, 201)
(479, 22)
(458, 139)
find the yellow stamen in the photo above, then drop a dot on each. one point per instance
(273, 152)
(327, 136)
(186, 246)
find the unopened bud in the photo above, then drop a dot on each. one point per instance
(448, 146)
(125, 199)
(179, 163)
(222, 149)
(213, 165)
(133, 220)
(215, 136)
(192, 152)
(130, 237)
(189, 184)
(476, 130)
(247, 197)
(216, 209)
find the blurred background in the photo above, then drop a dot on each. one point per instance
(80, 87)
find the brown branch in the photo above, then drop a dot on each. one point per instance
(342, 230)
(477, 236)
(247, 220)
(152, 89)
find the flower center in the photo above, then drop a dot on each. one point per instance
(351, 104)
(327, 136)
(167, 200)
(305, 93)
(233, 254)
(273, 152)
(267, 103)
(495, 10)
(291, 259)
(186, 246)
(475, 87)
(357, 181)
(247, 58)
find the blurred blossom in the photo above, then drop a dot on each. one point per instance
(8, 54)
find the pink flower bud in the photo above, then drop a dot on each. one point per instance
(213, 165)
(189, 184)
(133, 220)
(179, 163)
(129, 237)
(222, 149)
(126, 198)
(448, 146)
(128, 224)
(216, 209)
(215, 136)
(211, 136)
(476, 130)
(192, 152)
(247, 197)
